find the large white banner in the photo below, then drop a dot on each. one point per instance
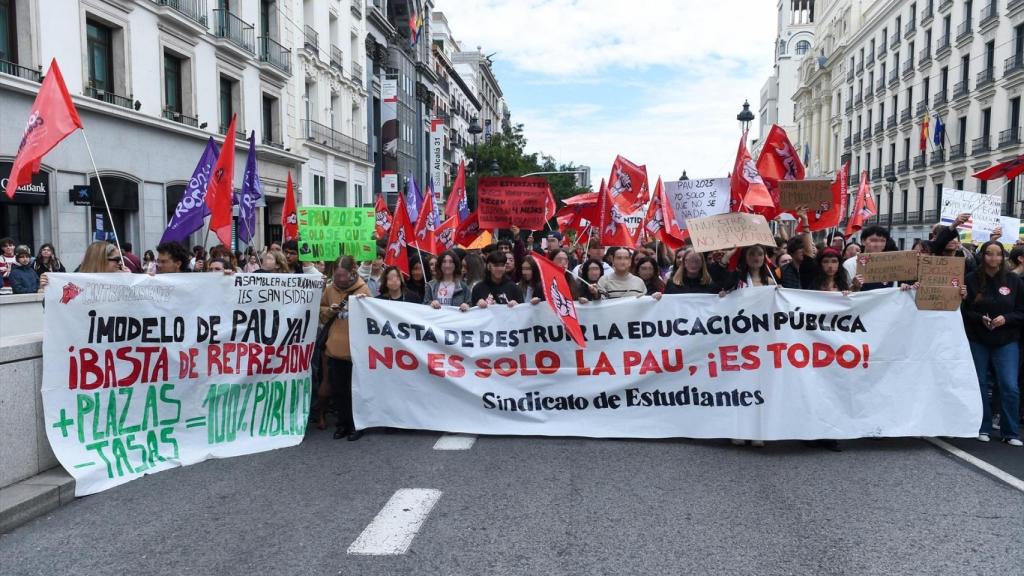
(144, 373)
(759, 363)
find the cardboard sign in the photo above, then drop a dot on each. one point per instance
(731, 230)
(940, 271)
(811, 194)
(887, 266)
(697, 198)
(938, 298)
(983, 208)
(504, 202)
(326, 233)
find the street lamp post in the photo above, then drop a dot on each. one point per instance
(890, 184)
(475, 130)
(745, 117)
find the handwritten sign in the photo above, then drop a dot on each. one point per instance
(940, 270)
(887, 266)
(983, 208)
(1011, 231)
(730, 230)
(697, 198)
(938, 298)
(504, 202)
(325, 233)
(812, 194)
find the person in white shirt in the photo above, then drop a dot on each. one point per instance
(621, 283)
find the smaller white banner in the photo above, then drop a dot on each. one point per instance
(697, 198)
(983, 208)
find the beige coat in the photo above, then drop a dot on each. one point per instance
(337, 338)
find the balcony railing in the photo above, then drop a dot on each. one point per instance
(275, 54)
(903, 167)
(239, 134)
(337, 59)
(919, 162)
(895, 39)
(876, 173)
(890, 170)
(905, 115)
(357, 8)
(985, 77)
(960, 90)
(958, 151)
(910, 29)
(869, 60)
(1009, 137)
(898, 218)
(13, 69)
(235, 30)
(849, 75)
(879, 126)
(846, 142)
(883, 49)
(180, 118)
(310, 39)
(924, 57)
(110, 97)
(938, 156)
(867, 133)
(357, 72)
(981, 145)
(943, 45)
(327, 136)
(989, 14)
(1013, 64)
(856, 138)
(894, 77)
(858, 99)
(908, 66)
(192, 9)
(860, 68)
(921, 108)
(880, 88)
(926, 13)
(270, 142)
(931, 215)
(849, 106)
(890, 122)
(940, 98)
(964, 30)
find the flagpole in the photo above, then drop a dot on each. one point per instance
(117, 240)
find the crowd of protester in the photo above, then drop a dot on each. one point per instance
(506, 274)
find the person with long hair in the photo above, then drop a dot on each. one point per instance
(252, 263)
(690, 274)
(473, 268)
(591, 272)
(752, 270)
(561, 258)
(447, 288)
(529, 281)
(47, 261)
(392, 287)
(993, 312)
(417, 282)
(274, 262)
(830, 275)
(149, 263)
(646, 268)
(101, 257)
(1016, 264)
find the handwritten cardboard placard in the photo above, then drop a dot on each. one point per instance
(938, 298)
(940, 270)
(811, 194)
(983, 208)
(887, 266)
(325, 233)
(731, 230)
(697, 198)
(506, 201)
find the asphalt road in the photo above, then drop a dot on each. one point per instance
(546, 506)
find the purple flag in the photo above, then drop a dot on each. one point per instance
(192, 210)
(252, 193)
(413, 200)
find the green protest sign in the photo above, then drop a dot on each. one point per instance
(325, 233)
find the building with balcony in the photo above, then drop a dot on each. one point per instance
(793, 41)
(956, 61)
(152, 80)
(330, 39)
(475, 68)
(379, 34)
(461, 103)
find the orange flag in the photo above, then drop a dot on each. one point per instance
(221, 188)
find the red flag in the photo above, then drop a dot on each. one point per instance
(397, 253)
(611, 222)
(425, 233)
(457, 196)
(558, 293)
(469, 230)
(383, 217)
(289, 219)
(778, 160)
(445, 234)
(221, 188)
(53, 117)
(585, 198)
(924, 133)
(864, 207)
(627, 184)
(660, 222)
(747, 188)
(829, 214)
(1009, 170)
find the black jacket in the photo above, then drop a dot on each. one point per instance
(407, 296)
(690, 286)
(793, 277)
(501, 293)
(1004, 299)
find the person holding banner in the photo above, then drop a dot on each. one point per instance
(393, 288)
(646, 269)
(334, 316)
(690, 275)
(417, 283)
(830, 275)
(621, 283)
(101, 257)
(752, 270)
(496, 288)
(591, 272)
(993, 312)
(171, 257)
(447, 287)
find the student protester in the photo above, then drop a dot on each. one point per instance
(529, 281)
(621, 283)
(103, 257)
(447, 288)
(590, 274)
(474, 269)
(24, 279)
(946, 242)
(496, 288)
(171, 257)
(802, 269)
(993, 312)
(274, 262)
(132, 263)
(149, 263)
(7, 261)
(1017, 260)
(752, 270)
(718, 267)
(291, 255)
(646, 269)
(47, 261)
(372, 272)
(219, 265)
(417, 282)
(252, 263)
(334, 316)
(594, 252)
(852, 251)
(690, 275)
(561, 259)
(393, 287)
(875, 239)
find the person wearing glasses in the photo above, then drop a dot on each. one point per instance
(171, 257)
(101, 257)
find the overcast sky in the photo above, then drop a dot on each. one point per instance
(657, 81)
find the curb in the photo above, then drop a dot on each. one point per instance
(34, 497)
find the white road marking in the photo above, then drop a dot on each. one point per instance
(979, 463)
(455, 442)
(392, 530)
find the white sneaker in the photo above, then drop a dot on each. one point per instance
(738, 442)
(1015, 442)
(983, 438)
(757, 443)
